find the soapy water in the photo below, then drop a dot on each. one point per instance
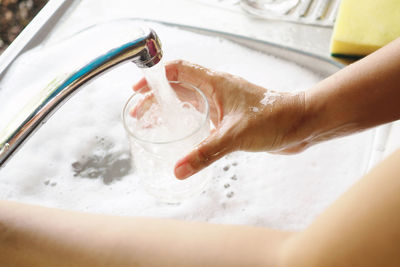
(266, 191)
(269, 98)
(100, 163)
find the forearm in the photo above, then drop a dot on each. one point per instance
(362, 95)
(360, 229)
(35, 236)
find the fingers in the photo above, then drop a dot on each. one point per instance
(142, 106)
(140, 84)
(210, 150)
(184, 71)
(201, 78)
(196, 75)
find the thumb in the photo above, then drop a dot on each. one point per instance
(211, 149)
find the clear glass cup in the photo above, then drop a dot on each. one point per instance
(269, 7)
(156, 149)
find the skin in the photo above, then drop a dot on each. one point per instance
(361, 228)
(337, 106)
(238, 127)
(36, 236)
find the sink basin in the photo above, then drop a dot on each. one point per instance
(80, 158)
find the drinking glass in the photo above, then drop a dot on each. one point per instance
(155, 148)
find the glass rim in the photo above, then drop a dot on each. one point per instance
(205, 118)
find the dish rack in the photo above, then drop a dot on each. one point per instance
(312, 12)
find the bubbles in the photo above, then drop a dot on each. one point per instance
(269, 98)
(50, 183)
(102, 162)
(267, 188)
(230, 194)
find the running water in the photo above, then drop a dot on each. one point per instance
(157, 80)
(169, 117)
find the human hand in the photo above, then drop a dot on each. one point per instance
(246, 116)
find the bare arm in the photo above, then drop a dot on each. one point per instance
(362, 228)
(362, 95)
(36, 236)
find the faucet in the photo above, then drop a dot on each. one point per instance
(145, 52)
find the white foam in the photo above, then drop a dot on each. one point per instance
(254, 109)
(85, 138)
(269, 98)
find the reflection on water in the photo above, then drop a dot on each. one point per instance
(102, 164)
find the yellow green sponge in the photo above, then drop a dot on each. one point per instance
(363, 26)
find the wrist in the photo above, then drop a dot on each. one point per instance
(326, 116)
(298, 129)
(305, 127)
(314, 120)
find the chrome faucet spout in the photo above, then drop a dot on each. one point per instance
(145, 52)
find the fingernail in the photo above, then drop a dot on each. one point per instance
(183, 171)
